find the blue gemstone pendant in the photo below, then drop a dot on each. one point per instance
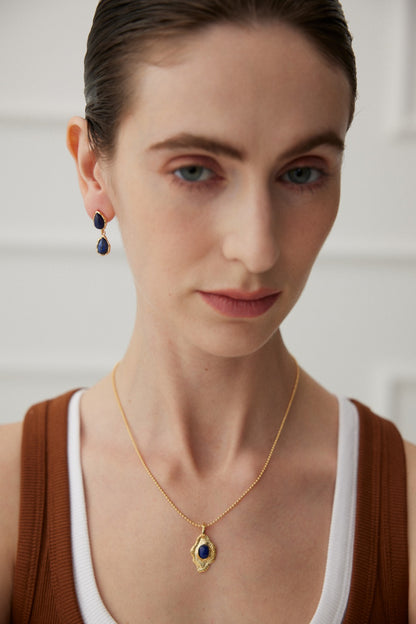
(203, 552)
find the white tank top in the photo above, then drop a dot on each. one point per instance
(336, 587)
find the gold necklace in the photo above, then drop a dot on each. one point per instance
(203, 551)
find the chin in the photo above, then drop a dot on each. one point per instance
(237, 341)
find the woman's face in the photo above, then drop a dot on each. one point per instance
(226, 182)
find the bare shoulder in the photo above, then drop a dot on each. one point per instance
(411, 488)
(10, 443)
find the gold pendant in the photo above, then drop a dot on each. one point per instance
(203, 552)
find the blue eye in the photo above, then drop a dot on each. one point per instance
(193, 173)
(302, 175)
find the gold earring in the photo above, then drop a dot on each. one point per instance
(100, 222)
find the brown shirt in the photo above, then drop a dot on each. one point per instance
(44, 590)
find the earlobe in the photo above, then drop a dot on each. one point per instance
(91, 181)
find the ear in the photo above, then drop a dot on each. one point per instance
(90, 175)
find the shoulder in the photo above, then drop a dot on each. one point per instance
(410, 450)
(10, 444)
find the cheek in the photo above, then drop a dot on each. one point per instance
(319, 226)
(307, 229)
(163, 241)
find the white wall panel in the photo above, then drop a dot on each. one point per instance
(353, 319)
(402, 96)
(377, 203)
(39, 189)
(59, 309)
(42, 45)
(406, 401)
(25, 382)
(395, 393)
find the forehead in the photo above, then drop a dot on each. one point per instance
(253, 82)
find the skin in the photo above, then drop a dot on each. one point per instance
(202, 390)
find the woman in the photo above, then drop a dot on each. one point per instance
(214, 131)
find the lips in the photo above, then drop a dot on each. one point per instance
(241, 304)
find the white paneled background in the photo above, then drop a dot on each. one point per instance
(66, 314)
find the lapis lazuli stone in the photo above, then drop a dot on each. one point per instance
(203, 551)
(99, 221)
(102, 246)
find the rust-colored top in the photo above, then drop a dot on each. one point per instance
(44, 590)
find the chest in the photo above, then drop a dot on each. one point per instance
(270, 558)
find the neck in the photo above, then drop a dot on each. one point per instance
(208, 408)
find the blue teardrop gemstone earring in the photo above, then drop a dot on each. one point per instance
(100, 222)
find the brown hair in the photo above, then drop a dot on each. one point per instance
(123, 30)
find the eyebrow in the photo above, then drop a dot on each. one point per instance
(195, 141)
(186, 140)
(329, 138)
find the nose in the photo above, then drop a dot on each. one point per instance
(251, 236)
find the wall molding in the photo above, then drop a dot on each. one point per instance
(52, 367)
(63, 243)
(378, 252)
(402, 77)
(57, 244)
(38, 116)
(388, 383)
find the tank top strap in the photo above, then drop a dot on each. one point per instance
(43, 583)
(379, 584)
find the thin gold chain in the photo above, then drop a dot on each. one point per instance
(204, 525)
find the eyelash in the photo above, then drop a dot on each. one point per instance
(196, 185)
(215, 179)
(307, 186)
